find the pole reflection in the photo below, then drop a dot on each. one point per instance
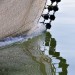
(50, 51)
(50, 43)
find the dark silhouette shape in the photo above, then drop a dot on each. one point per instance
(48, 26)
(55, 8)
(51, 42)
(56, 54)
(52, 17)
(45, 16)
(58, 0)
(48, 36)
(50, 8)
(59, 58)
(64, 66)
(53, 1)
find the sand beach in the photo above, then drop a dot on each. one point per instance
(19, 16)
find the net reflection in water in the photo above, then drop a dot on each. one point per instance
(59, 63)
(25, 58)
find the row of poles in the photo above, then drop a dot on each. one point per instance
(49, 16)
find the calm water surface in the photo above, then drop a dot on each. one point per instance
(63, 30)
(51, 53)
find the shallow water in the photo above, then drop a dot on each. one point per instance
(41, 55)
(25, 58)
(63, 30)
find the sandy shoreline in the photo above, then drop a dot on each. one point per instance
(25, 58)
(19, 16)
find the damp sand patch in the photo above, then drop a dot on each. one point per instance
(25, 58)
(19, 16)
(23, 37)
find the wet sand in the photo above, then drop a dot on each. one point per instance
(19, 16)
(25, 58)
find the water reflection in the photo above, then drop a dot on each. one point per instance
(50, 50)
(26, 58)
